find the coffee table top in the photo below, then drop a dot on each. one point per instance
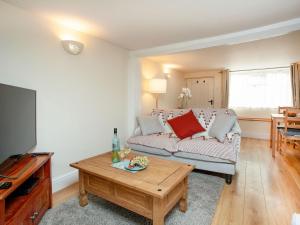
(158, 179)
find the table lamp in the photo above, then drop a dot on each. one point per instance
(157, 87)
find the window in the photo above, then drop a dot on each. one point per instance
(267, 88)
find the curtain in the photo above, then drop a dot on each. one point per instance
(295, 79)
(266, 88)
(225, 88)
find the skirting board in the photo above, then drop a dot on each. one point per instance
(64, 180)
(256, 135)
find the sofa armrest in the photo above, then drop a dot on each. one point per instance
(236, 130)
(236, 141)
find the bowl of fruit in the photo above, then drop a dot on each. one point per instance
(137, 163)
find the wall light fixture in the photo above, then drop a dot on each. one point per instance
(72, 47)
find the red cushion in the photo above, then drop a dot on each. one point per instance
(186, 125)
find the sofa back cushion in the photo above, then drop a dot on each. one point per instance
(165, 115)
(222, 124)
(150, 125)
(205, 117)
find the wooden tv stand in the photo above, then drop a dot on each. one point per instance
(27, 209)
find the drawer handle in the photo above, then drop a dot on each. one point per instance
(32, 218)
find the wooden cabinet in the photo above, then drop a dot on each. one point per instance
(28, 209)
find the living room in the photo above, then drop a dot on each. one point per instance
(92, 66)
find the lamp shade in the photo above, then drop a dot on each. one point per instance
(158, 86)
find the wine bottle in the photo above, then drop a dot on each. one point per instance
(115, 147)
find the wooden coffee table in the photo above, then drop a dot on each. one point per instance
(152, 192)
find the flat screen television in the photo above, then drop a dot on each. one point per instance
(17, 121)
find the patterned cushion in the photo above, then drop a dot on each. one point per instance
(210, 147)
(164, 115)
(291, 132)
(162, 141)
(206, 122)
(205, 117)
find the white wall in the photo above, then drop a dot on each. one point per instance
(80, 99)
(255, 129)
(151, 69)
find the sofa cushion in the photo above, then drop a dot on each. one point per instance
(195, 156)
(165, 115)
(205, 117)
(186, 125)
(161, 141)
(211, 147)
(150, 125)
(206, 122)
(222, 124)
(150, 150)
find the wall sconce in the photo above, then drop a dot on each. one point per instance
(72, 47)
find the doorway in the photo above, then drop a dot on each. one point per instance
(202, 92)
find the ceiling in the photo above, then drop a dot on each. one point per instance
(139, 24)
(272, 52)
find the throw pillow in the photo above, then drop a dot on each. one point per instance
(166, 126)
(186, 125)
(223, 123)
(150, 125)
(206, 123)
(137, 131)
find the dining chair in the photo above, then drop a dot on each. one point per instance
(282, 109)
(291, 131)
(280, 125)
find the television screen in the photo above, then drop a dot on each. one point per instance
(17, 121)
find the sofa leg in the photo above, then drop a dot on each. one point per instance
(228, 178)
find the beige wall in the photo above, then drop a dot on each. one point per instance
(175, 82)
(210, 73)
(80, 99)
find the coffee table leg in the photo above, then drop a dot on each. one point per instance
(158, 216)
(83, 199)
(183, 200)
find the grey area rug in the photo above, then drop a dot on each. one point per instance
(204, 192)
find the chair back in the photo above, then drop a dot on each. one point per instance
(292, 119)
(282, 109)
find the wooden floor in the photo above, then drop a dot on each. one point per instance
(264, 191)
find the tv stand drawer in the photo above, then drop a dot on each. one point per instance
(33, 209)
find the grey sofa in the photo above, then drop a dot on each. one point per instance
(203, 152)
